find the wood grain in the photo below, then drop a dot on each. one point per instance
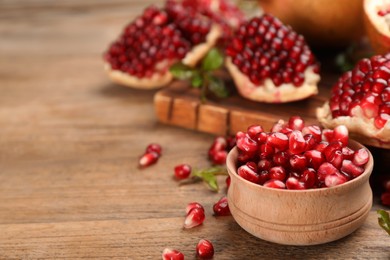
(69, 145)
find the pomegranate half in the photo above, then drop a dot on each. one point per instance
(360, 100)
(377, 24)
(269, 62)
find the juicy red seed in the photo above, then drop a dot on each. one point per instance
(194, 218)
(298, 162)
(278, 126)
(221, 207)
(308, 178)
(154, 148)
(278, 140)
(326, 169)
(314, 158)
(334, 179)
(331, 148)
(264, 165)
(182, 171)
(321, 146)
(296, 123)
(282, 56)
(263, 176)
(205, 249)
(248, 174)
(381, 120)
(360, 157)
(219, 157)
(172, 254)
(148, 159)
(281, 159)
(348, 153)
(262, 138)
(254, 130)
(314, 130)
(277, 173)
(276, 184)
(297, 143)
(219, 144)
(336, 158)
(228, 181)
(266, 151)
(246, 144)
(293, 183)
(310, 141)
(193, 205)
(350, 168)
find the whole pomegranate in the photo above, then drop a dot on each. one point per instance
(324, 23)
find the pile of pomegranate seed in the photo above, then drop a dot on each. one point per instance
(366, 87)
(220, 148)
(151, 155)
(265, 48)
(295, 156)
(221, 207)
(195, 215)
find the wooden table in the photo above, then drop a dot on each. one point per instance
(69, 145)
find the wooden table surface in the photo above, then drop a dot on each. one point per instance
(69, 145)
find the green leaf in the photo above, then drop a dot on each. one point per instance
(210, 179)
(196, 80)
(217, 86)
(213, 60)
(181, 71)
(209, 176)
(384, 220)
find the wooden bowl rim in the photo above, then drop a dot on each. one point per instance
(231, 167)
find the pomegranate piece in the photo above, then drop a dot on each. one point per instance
(193, 205)
(150, 44)
(248, 173)
(172, 254)
(182, 171)
(204, 249)
(271, 63)
(221, 207)
(359, 103)
(194, 218)
(148, 159)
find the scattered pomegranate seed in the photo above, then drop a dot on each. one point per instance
(182, 171)
(219, 149)
(172, 254)
(154, 148)
(192, 206)
(221, 207)
(148, 159)
(194, 218)
(205, 249)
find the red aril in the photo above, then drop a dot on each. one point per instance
(221, 207)
(193, 205)
(204, 249)
(194, 218)
(182, 171)
(172, 254)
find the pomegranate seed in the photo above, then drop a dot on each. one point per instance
(277, 184)
(263, 177)
(326, 169)
(219, 144)
(277, 127)
(278, 140)
(381, 120)
(348, 153)
(281, 158)
(351, 169)
(254, 130)
(247, 145)
(314, 158)
(154, 148)
(264, 165)
(293, 183)
(313, 130)
(172, 254)
(248, 173)
(277, 173)
(310, 141)
(308, 178)
(192, 206)
(297, 143)
(385, 198)
(360, 157)
(148, 159)
(262, 138)
(298, 162)
(334, 179)
(219, 157)
(336, 158)
(331, 148)
(321, 146)
(296, 123)
(327, 135)
(182, 171)
(266, 151)
(227, 181)
(194, 218)
(221, 207)
(340, 133)
(205, 249)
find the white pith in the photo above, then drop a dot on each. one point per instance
(160, 79)
(268, 92)
(381, 23)
(361, 127)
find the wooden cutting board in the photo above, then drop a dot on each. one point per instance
(179, 105)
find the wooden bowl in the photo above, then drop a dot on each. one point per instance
(299, 217)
